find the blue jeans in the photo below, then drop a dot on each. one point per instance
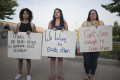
(90, 62)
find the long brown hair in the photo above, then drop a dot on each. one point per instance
(97, 18)
(61, 18)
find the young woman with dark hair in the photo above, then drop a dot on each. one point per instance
(90, 58)
(57, 23)
(25, 26)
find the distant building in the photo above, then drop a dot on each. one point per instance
(14, 25)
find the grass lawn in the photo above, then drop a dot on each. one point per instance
(112, 54)
(108, 54)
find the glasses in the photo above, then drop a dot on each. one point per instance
(92, 13)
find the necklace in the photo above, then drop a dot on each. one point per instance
(94, 22)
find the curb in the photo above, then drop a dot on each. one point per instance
(102, 61)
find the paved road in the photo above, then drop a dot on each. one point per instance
(72, 69)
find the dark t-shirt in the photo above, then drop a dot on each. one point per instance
(58, 27)
(25, 27)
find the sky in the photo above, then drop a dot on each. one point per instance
(75, 12)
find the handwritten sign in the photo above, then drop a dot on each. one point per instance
(59, 44)
(24, 46)
(94, 39)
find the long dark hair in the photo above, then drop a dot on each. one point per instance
(28, 11)
(61, 18)
(97, 18)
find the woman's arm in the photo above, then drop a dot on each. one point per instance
(84, 24)
(101, 23)
(34, 29)
(17, 29)
(66, 26)
(50, 26)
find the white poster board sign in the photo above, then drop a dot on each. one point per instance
(59, 44)
(94, 39)
(24, 46)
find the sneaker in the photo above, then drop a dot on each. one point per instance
(28, 77)
(18, 76)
